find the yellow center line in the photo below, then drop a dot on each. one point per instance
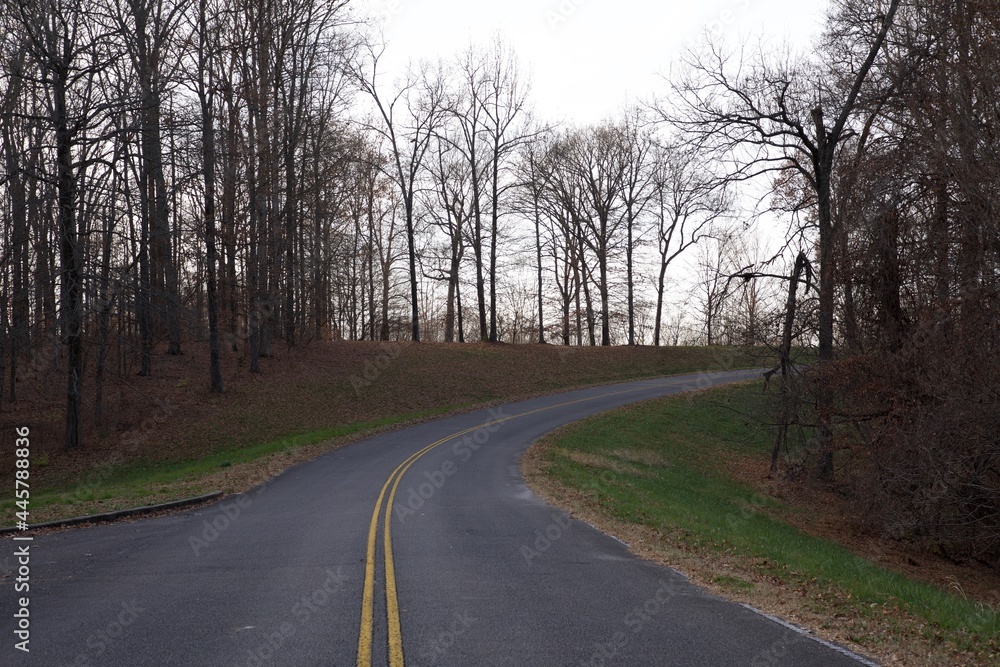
(395, 635)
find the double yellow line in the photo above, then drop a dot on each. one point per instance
(391, 601)
(395, 635)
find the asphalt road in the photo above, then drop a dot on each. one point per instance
(475, 570)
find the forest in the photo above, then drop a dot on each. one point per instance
(243, 174)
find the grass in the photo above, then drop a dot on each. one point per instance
(681, 453)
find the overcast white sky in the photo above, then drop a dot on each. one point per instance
(586, 57)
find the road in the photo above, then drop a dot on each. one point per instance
(468, 568)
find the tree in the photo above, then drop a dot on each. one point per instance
(465, 110)
(715, 265)
(637, 143)
(534, 180)
(408, 140)
(451, 210)
(918, 257)
(765, 118)
(206, 99)
(505, 109)
(589, 185)
(17, 174)
(147, 28)
(688, 201)
(68, 56)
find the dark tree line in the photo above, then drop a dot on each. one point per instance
(156, 175)
(882, 147)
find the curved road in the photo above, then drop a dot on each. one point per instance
(469, 568)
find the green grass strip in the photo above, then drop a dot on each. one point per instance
(678, 484)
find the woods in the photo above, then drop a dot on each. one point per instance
(244, 176)
(882, 148)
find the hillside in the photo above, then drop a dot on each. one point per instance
(167, 436)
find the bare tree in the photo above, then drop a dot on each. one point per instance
(421, 98)
(148, 28)
(534, 180)
(466, 113)
(636, 192)
(450, 209)
(506, 114)
(12, 104)
(767, 118)
(688, 201)
(205, 88)
(593, 176)
(715, 265)
(68, 55)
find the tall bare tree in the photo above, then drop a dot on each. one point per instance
(408, 123)
(688, 200)
(637, 142)
(205, 87)
(504, 103)
(69, 54)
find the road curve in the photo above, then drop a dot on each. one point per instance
(467, 568)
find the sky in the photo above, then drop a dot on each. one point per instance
(587, 58)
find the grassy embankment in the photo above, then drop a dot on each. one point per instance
(683, 479)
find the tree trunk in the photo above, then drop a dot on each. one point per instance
(630, 279)
(591, 325)
(824, 396)
(453, 294)
(253, 268)
(784, 354)
(493, 256)
(144, 305)
(205, 96)
(605, 308)
(104, 299)
(538, 260)
(461, 315)
(659, 300)
(18, 332)
(412, 253)
(70, 264)
(477, 251)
